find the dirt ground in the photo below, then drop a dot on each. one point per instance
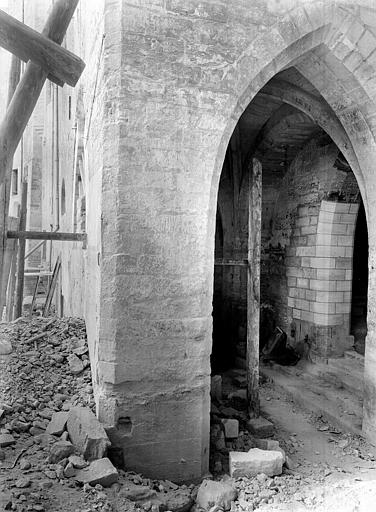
(329, 470)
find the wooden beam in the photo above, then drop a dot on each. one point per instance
(18, 114)
(28, 44)
(9, 262)
(231, 263)
(47, 235)
(253, 288)
(21, 254)
(8, 247)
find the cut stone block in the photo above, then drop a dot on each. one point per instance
(267, 444)
(211, 494)
(216, 387)
(260, 427)
(231, 428)
(57, 424)
(100, 471)
(86, 433)
(254, 462)
(6, 440)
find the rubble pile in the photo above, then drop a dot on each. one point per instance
(53, 451)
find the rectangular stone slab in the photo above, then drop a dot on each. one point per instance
(255, 462)
(86, 433)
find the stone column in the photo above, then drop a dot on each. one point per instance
(369, 402)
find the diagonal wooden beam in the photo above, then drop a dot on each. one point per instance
(18, 114)
(28, 44)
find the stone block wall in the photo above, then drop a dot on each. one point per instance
(309, 283)
(319, 274)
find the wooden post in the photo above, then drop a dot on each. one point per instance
(21, 254)
(17, 116)
(9, 248)
(253, 287)
(9, 258)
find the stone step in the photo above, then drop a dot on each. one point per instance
(352, 354)
(321, 399)
(341, 373)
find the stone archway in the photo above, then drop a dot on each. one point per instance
(157, 259)
(347, 122)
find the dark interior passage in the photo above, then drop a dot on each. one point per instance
(360, 282)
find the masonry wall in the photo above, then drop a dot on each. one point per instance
(163, 92)
(312, 232)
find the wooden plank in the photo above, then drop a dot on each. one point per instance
(34, 295)
(51, 289)
(18, 114)
(21, 255)
(253, 287)
(47, 235)
(231, 263)
(28, 44)
(9, 256)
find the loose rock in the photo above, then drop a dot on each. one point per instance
(211, 494)
(86, 433)
(99, 472)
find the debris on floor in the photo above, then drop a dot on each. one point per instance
(55, 456)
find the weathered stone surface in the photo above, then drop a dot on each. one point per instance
(6, 440)
(216, 387)
(212, 493)
(254, 462)
(100, 471)
(5, 347)
(75, 364)
(86, 433)
(58, 423)
(217, 437)
(177, 501)
(137, 493)
(60, 450)
(69, 470)
(260, 427)
(78, 462)
(231, 428)
(266, 444)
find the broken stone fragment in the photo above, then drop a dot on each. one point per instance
(254, 462)
(260, 427)
(177, 501)
(69, 470)
(77, 462)
(6, 440)
(60, 450)
(86, 433)
(267, 444)
(231, 428)
(5, 347)
(57, 424)
(24, 464)
(22, 483)
(100, 471)
(75, 364)
(211, 494)
(137, 493)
